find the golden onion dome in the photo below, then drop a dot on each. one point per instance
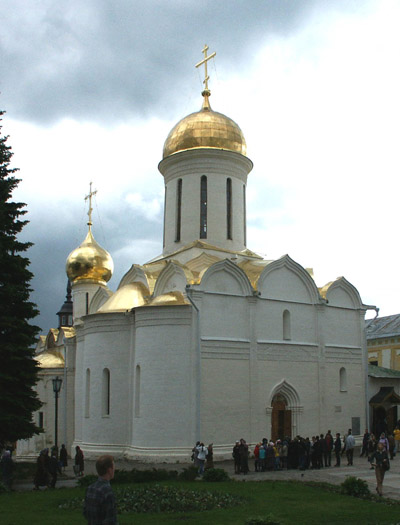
(89, 262)
(205, 129)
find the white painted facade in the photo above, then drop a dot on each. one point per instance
(195, 344)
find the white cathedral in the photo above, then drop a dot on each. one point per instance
(208, 341)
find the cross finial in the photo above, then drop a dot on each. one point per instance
(204, 61)
(89, 197)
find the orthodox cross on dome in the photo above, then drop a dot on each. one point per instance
(204, 61)
(89, 197)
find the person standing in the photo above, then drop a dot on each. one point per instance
(42, 470)
(338, 448)
(244, 456)
(210, 457)
(380, 461)
(54, 468)
(100, 506)
(79, 462)
(236, 457)
(328, 450)
(350, 444)
(396, 434)
(364, 450)
(7, 467)
(201, 457)
(63, 457)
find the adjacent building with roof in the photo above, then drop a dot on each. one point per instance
(207, 341)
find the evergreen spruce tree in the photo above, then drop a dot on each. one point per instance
(18, 369)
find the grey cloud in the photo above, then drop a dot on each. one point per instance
(128, 236)
(105, 61)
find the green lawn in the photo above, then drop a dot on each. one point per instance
(292, 503)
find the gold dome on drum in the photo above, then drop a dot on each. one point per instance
(89, 262)
(205, 129)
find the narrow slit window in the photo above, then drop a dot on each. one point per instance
(137, 391)
(178, 210)
(229, 208)
(244, 215)
(286, 326)
(165, 210)
(343, 379)
(203, 207)
(87, 394)
(106, 392)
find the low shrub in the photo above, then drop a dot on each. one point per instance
(216, 474)
(85, 481)
(356, 487)
(157, 498)
(259, 520)
(188, 474)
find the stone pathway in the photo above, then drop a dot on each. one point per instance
(334, 475)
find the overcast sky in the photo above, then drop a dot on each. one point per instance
(92, 89)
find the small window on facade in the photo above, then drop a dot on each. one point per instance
(343, 379)
(244, 215)
(87, 394)
(286, 325)
(63, 320)
(165, 209)
(70, 320)
(106, 392)
(87, 303)
(137, 391)
(229, 208)
(41, 420)
(178, 210)
(203, 207)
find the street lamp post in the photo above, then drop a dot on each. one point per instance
(56, 389)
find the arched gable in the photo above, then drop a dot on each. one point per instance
(285, 279)
(342, 293)
(172, 279)
(134, 274)
(288, 391)
(51, 339)
(100, 297)
(225, 277)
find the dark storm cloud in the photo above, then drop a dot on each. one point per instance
(108, 61)
(54, 240)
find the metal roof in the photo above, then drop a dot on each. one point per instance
(380, 371)
(380, 327)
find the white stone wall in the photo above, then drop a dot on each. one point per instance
(218, 166)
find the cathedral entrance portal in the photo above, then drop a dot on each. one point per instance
(281, 418)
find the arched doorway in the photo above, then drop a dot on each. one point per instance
(281, 418)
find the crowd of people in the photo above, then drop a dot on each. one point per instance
(318, 452)
(297, 453)
(51, 463)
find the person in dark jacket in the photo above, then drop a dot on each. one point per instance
(79, 461)
(63, 457)
(236, 457)
(42, 470)
(7, 468)
(54, 469)
(380, 461)
(337, 448)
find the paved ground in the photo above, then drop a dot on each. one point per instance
(335, 475)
